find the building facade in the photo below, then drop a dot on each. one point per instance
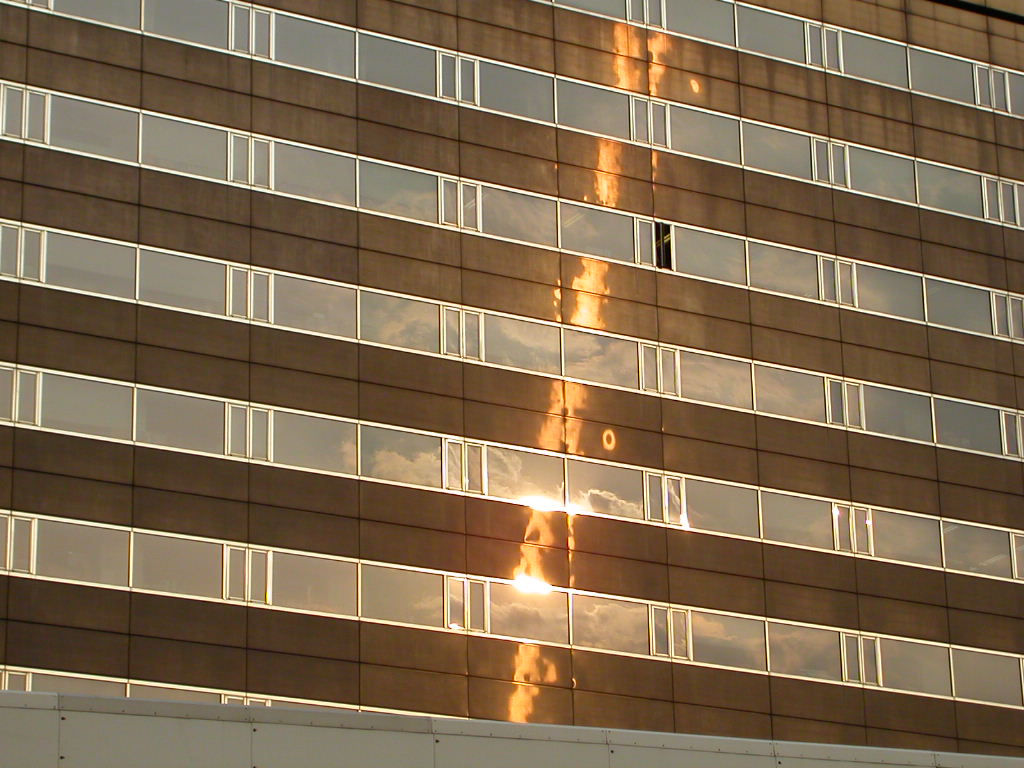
(644, 364)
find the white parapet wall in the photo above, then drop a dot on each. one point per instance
(41, 730)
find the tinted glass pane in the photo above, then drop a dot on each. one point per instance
(709, 255)
(517, 92)
(874, 59)
(179, 421)
(778, 151)
(915, 667)
(522, 344)
(307, 441)
(949, 189)
(987, 677)
(88, 407)
(530, 478)
(707, 19)
(894, 293)
(94, 128)
(397, 191)
(804, 651)
(959, 306)
(610, 7)
(314, 306)
(728, 640)
(6, 394)
(180, 566)
(397, 595)
(789, 393)
(315, 46)
(124, 13)
(723, 508)
(178, 281)
(976, 549)
(185, 147)
(90, 265)
(715, 379)
(398, 65)
(906, 538)
(603, 233)
(902, 414)
(82, 552)
(963, 425)
(607, 490)
(314, 584)
(533, 615)
(797, 520)
(76, 686)
(400, 322)
(388, 454)
(602, 359)
(518, 216)
(614, 625)
(593, 109)
(706, 135)
(780, 269)
(159, 693)
(318, 175)
(942, 76)
(198, 21)
(879, 174)
(770, 33)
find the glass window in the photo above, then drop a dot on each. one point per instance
(778, 151)
(720, 507)
(796, 520)
(180, 566)
(712, 379)
(728, 640)
(185, 147)
(160, 693)
(907, 538)
(398, 595)
(397, 191)
(529, 478)
(407, 457)
(517, 92)
(789, 393)
(600, 232)
(522, 344)
(593, 109)
(314, 584)
(784, 270)
(959, 306)
(518, 216)
(976, 549)
(892, 412)
(804, 651)
(90, 265)
(915, 667)
(179, 421)
(315, 46)
(397, 65)
(881, 174)
(124, 13)
(704, 134)
(874, 59)
(6, 394)
(178, 281)
(607, 7)
(706, 19)
(400, 322)
(314, 174)
(315, 306)
(963, 425)
(76, 686)
(94, 128)
(536, 615)
(87, 407)
(82, 553)
(949, 189)
(942, 76)
(198, 21)
(606, 489)
(894, 293)
(613, 625)
(770, 34)
(987, 677)
(706, 254)
(316, 443)
(601, 359)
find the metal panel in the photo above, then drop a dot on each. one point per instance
(288, 746)
(653, 757)
(28, 734)
(475, 751)
(792, 754)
